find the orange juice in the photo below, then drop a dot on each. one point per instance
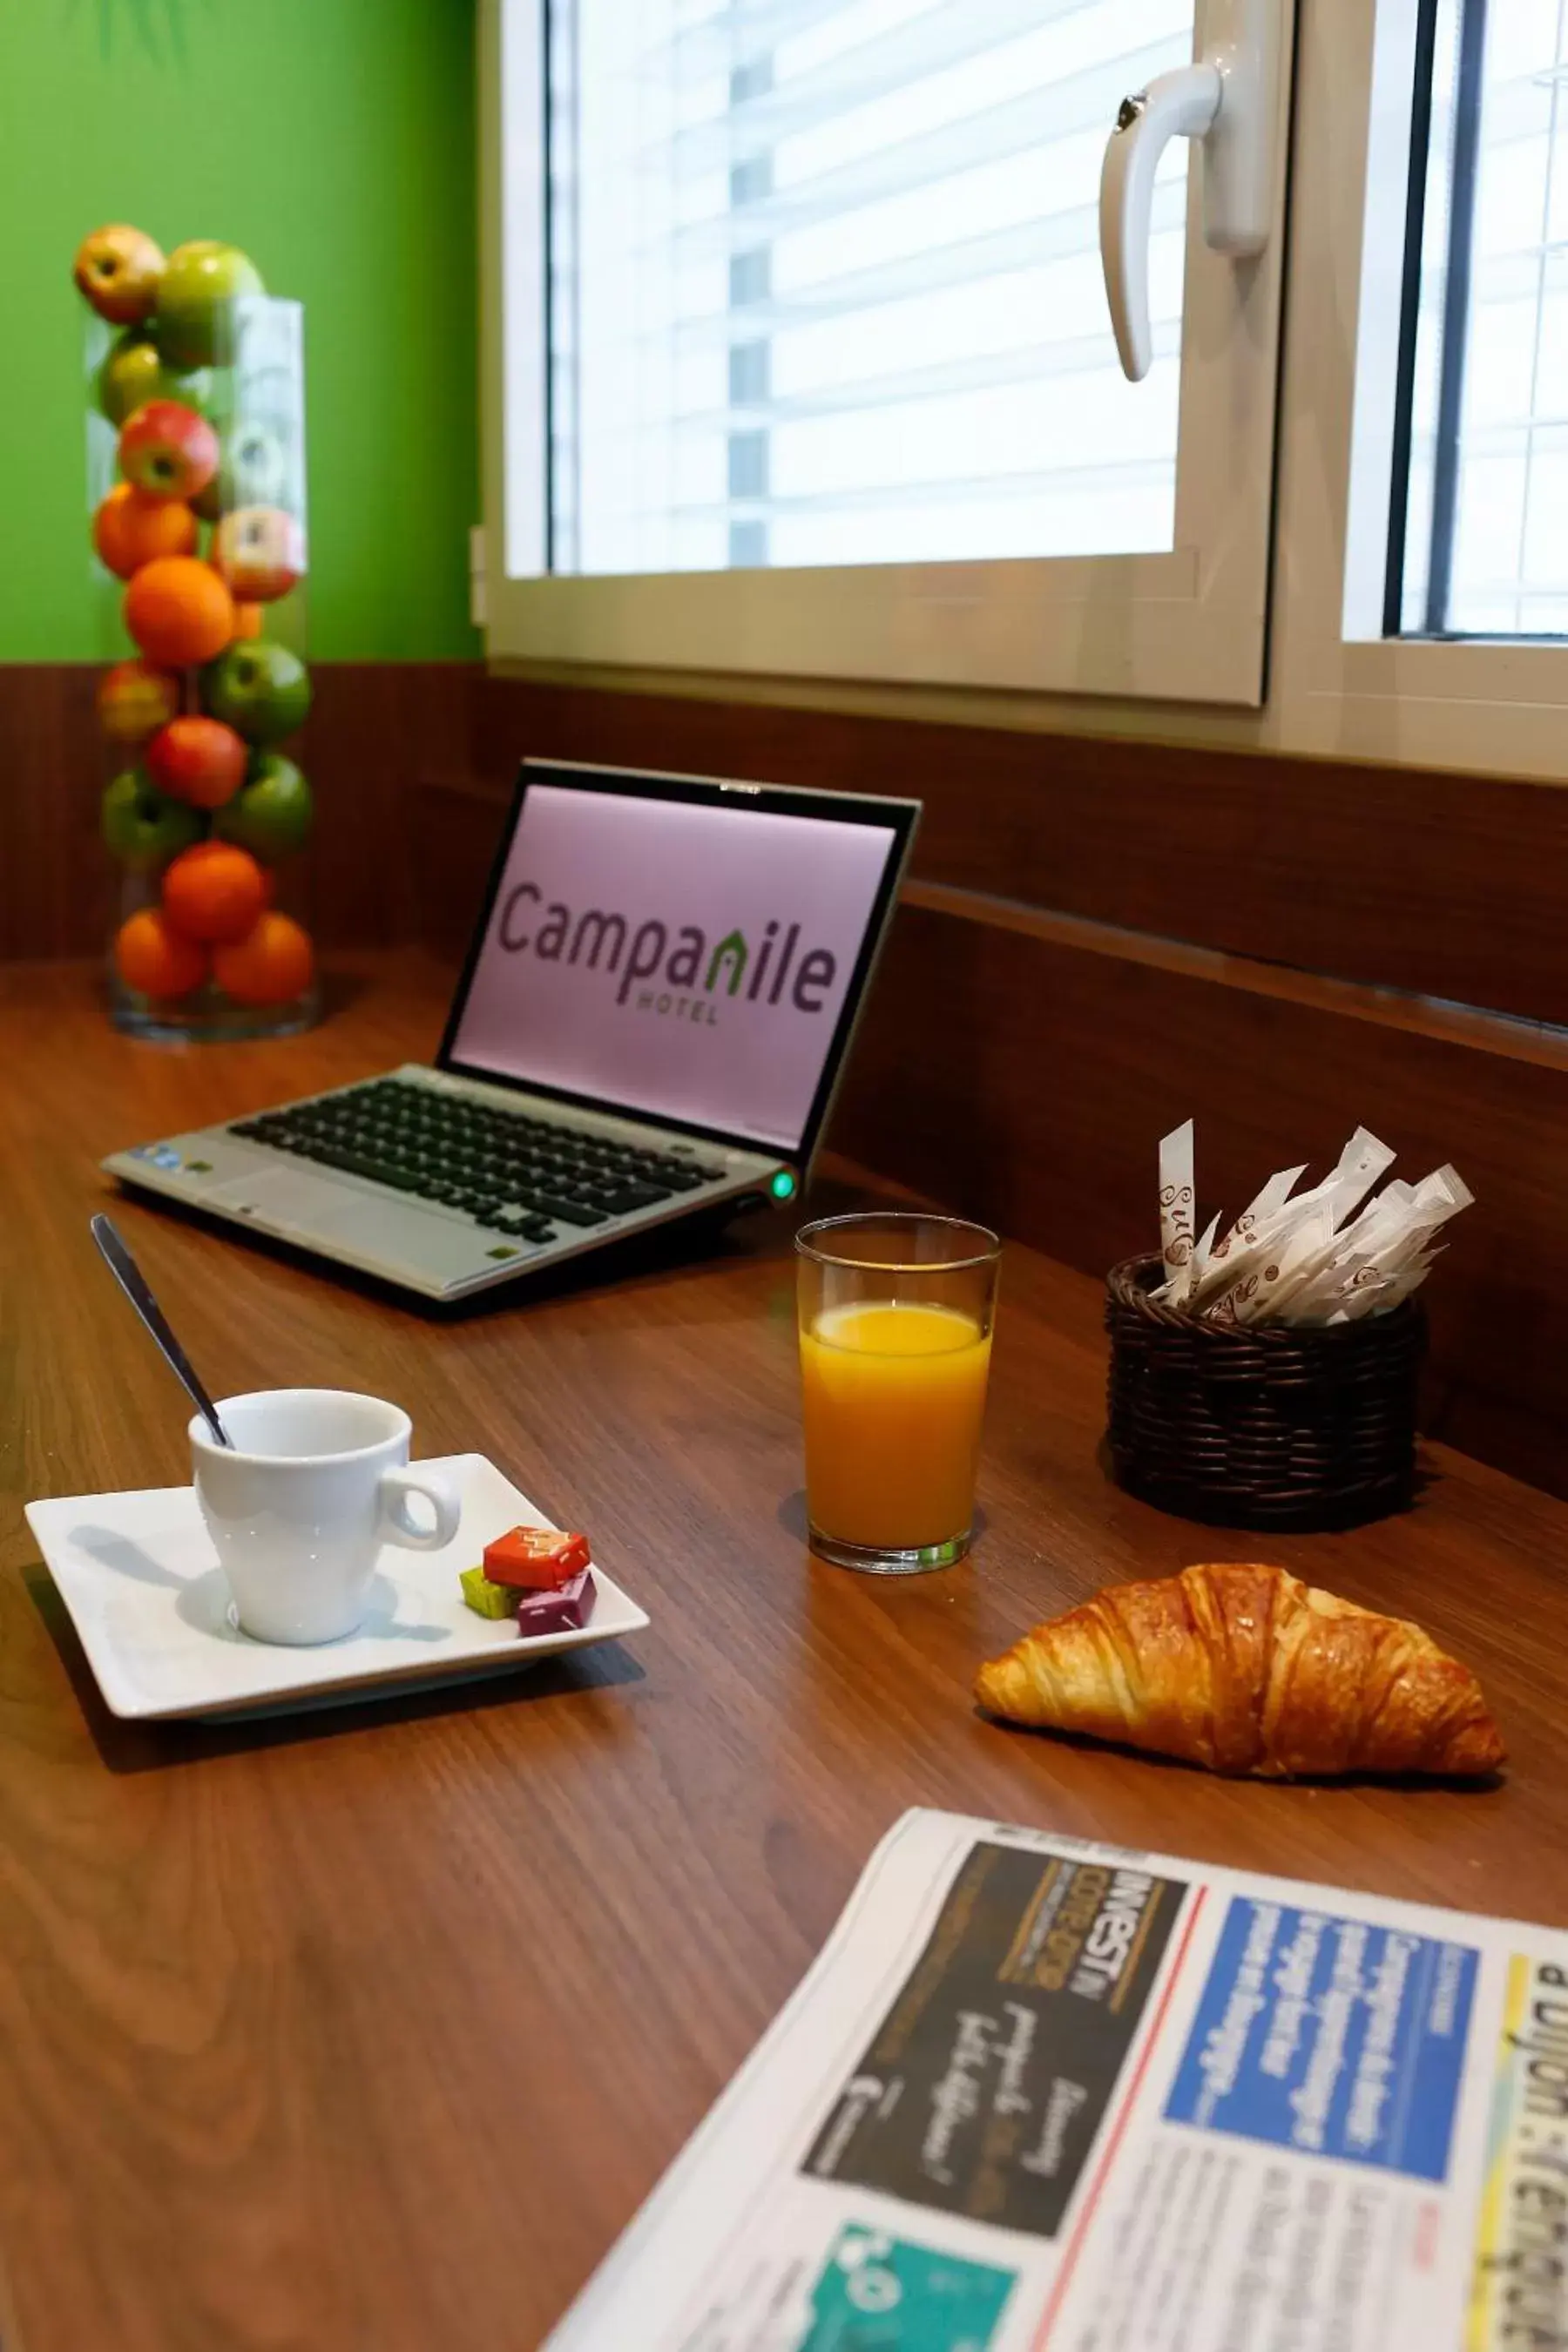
(894, 1396)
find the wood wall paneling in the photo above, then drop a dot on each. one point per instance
(1034, 1029)
(56, 885)
(375, 729)
(1027, 1082)
(1447, 885)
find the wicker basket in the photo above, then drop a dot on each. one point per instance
(1267, 1428)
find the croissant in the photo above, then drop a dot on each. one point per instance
(1246, 1669)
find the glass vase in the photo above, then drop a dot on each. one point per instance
(197, 479)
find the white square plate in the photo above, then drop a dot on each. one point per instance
(140, 1576)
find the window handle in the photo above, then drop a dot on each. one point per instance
(1228, 102)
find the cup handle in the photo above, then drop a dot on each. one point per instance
(398, 1488)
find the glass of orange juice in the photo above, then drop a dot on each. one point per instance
(896, 1312)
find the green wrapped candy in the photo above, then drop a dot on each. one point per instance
(485, 1598)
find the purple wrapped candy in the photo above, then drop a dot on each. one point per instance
(564, 1610)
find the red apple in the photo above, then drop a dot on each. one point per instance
(260, 552)
(134, 699)
(168, 451)
(198, 760)
(118, 269)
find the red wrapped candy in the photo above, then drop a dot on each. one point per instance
(541, 1560)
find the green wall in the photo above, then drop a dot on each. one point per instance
(333, 140)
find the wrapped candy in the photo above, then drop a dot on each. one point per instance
(485, 1598)
(553, 1610)
(569, 1607)
(539, 1559)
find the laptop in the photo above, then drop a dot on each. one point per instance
(653, 1017)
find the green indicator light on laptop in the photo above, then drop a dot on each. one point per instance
(782, 1187)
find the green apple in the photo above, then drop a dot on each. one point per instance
(253, 471)
(258, 688)
(133, 374)
(196, 294)
(270, 814)
(142, 826)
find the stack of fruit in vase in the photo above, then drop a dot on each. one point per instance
(208, 805)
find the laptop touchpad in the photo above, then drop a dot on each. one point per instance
(295, 1204)
(286, 1196)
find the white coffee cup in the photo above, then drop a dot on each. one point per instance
(315, 1483)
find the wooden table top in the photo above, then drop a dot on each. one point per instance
(373, 2027)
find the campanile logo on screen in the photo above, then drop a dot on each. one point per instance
(675, 972)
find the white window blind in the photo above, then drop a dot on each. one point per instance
(824, 284)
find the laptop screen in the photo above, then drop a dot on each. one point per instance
(694, 959)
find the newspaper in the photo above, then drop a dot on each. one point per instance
(1038, 2093)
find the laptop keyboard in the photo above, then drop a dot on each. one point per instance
(510, 1173)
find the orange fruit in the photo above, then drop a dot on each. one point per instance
(156, 960)
(134, 701)
(130, 529)
(214, 892)
(248, 620)
(179, 611)
(271, 965)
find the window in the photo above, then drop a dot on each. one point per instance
(1412, 592)
(825, 284)
(1482, 545)
(800, 360)
(1361, 554)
